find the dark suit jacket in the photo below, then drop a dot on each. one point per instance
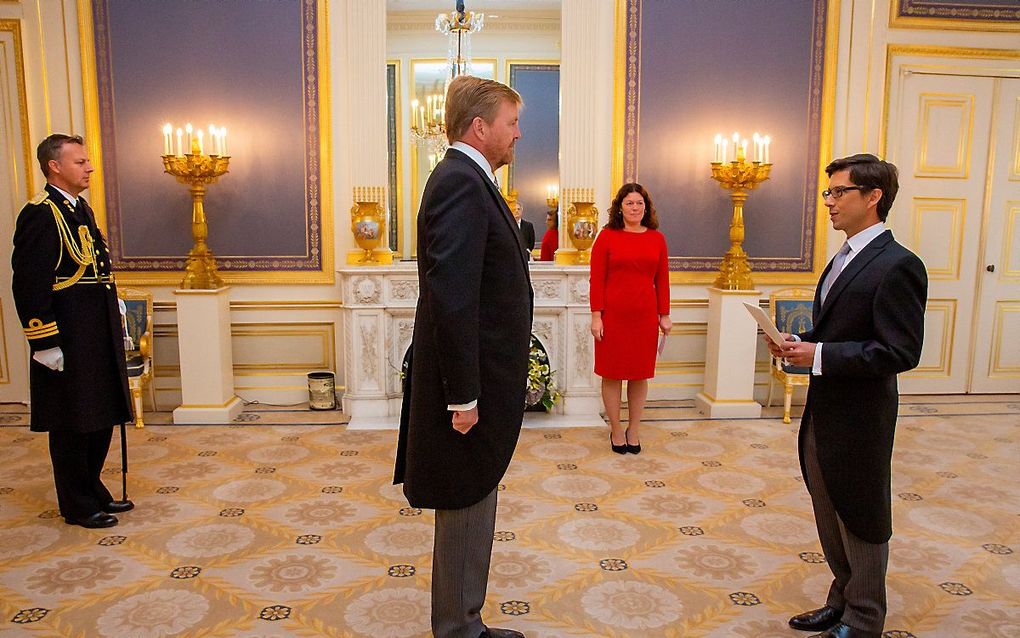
(528, 233)
(82, 319)
(472, 333)
(871, 325)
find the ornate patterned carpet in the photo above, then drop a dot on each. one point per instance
(285, 524)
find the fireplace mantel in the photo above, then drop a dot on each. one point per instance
(378, 317)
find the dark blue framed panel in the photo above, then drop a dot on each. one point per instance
(253, 67)
(536, 162)
(694, 69)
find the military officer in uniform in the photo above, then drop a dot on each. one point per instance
(68, 306)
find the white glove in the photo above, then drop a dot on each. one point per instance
(52, 358)
(129, 343)
(122, 305)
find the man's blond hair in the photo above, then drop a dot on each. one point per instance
(469, 97)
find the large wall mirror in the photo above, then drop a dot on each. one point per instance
(517, 39)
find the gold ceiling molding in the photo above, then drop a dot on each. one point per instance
(899, 21)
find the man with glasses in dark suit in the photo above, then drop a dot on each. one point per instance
(868, 328)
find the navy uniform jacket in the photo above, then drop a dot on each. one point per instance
(472, 334)
(66, 297)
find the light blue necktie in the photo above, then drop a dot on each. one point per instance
(837, 267)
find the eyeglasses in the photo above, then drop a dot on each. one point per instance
(838, 191)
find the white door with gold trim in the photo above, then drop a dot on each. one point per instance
(997, 343)
(939, 141)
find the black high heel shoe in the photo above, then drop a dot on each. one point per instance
(633, 449)
(619, 449)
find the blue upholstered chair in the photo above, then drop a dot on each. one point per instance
(139, 359)
(791, 310)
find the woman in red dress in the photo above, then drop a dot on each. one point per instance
(629, 307)
(551, 239)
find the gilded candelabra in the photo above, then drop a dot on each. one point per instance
(739, 177)
(197, 169)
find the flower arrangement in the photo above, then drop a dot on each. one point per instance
(542, 388)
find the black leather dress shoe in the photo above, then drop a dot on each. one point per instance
(116, 507)
(96, 521)
(634, 449)
(843, 630)
(492, 632)
(817, 619)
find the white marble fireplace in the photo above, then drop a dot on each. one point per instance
(378, 313)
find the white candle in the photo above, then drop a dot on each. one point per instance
(757, 147)
(201, 148)
(188, 130)
(180, 143)
(167, 136)
(223, 142)
(725, 143)
(766, 141)
(718, 148)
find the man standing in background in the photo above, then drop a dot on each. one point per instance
(68, 306)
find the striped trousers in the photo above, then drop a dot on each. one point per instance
(460, 568)
(858, 567)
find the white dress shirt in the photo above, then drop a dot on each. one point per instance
(857, 243)
(70, 198)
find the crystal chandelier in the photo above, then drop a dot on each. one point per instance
(428, 127)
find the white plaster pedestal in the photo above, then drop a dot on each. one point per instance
(729, 357)
(378, 316)
(207, 374)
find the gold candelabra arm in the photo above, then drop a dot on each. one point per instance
(739, 177)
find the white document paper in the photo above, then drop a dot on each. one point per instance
(765, 322)
(662, 342)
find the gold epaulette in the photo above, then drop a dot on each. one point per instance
(39, 198)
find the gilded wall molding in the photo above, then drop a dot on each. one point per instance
(316, 266)
(975, 15)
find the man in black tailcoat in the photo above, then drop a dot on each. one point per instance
(67, 302)
(464, 393)
(868, 327)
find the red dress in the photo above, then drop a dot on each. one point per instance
(550, 242)
(630, 285)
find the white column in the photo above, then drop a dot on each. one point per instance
(586, 104)
(729, 357)
(207, 373)
(358, 62)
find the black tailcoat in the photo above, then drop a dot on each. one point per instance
(83, 319)
(471, 339)
(871, 327)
